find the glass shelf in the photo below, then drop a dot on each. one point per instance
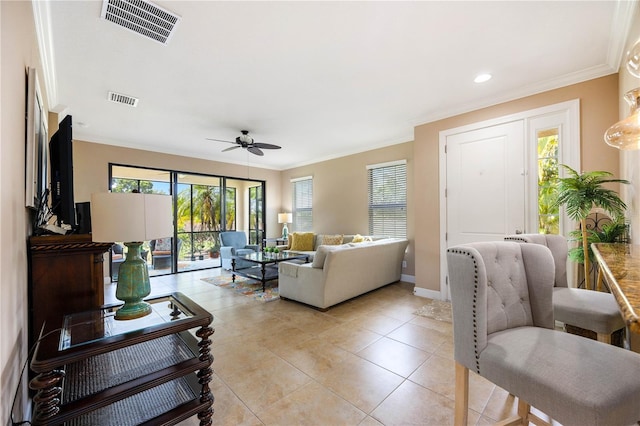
(91, 326)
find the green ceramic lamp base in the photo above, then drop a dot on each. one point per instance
(133, 310)
(133, 285)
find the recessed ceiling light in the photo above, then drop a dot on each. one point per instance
(481, 78)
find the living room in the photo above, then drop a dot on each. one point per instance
(338, 208)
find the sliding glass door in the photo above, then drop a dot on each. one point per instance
(204, 206)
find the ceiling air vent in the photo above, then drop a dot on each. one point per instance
(141, 17)
(119, 98)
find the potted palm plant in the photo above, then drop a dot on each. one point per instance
(579, 193)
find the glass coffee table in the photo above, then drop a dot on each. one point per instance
(266, 265)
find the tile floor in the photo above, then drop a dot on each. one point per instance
(368, 361)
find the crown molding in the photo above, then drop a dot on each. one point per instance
(620, 27)
(42, 18)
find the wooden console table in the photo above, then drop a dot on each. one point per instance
(96, 370)
(620, 265)
(65, 276)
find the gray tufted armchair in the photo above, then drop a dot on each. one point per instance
(587, 309)
(501, 294)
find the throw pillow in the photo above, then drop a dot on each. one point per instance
(332, 240)
(303, 241)
(163, 244)
(290, 241)
(357, 238)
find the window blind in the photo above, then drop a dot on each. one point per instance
(388, 199)
(302, 204)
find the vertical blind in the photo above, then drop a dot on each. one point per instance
(302, 204)
(387, 184)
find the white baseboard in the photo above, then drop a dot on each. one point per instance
(430, 294)
(408, 278)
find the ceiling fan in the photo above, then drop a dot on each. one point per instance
(245, 141)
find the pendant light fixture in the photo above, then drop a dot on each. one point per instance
(625, 134)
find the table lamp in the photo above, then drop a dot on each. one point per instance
(285, 218)
(135, 218)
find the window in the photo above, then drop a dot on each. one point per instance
(387, 184)
(303, 204)
(548, 214)
(256, 206)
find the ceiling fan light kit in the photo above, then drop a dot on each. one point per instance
(245, 141)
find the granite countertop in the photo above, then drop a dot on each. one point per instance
(620, 264)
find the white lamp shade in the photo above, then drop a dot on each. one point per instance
(285, 217)
(130, 216)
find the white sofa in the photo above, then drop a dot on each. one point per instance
(341, 272)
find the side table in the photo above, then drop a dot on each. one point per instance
(150, 370)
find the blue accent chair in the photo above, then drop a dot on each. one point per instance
(234, 243)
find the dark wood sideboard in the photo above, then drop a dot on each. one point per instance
(65, 276)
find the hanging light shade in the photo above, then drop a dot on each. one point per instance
(625, 134)
(633, 60)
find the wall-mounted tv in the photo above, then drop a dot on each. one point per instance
(61, 156)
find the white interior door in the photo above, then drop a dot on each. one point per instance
(485, 189)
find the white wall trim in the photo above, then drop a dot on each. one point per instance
(408, 278)
(42, 18)
(387, 164)
(429, 294)
(622, 22)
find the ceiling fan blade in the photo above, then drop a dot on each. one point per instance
(231, 147)
(218, 140)
(265, 145)
(255, 150)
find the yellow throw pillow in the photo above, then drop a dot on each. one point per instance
(290, 241)
(332, 240)
(357, 238)
(302, 241)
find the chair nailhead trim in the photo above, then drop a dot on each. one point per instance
(474, 305)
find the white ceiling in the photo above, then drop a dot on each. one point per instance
(321, 79)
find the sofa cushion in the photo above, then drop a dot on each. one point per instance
(244, 251)
(161, 252)
(332, 240)
(322, 252)
(320, 256)
(302, 241)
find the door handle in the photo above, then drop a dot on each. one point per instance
(518, 231)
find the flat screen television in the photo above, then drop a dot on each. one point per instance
(61, 157)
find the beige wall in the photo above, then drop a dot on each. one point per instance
(598, 109)
(18, 52)
(340, 204)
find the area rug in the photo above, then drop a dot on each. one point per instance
(247, 287)
(437, 310)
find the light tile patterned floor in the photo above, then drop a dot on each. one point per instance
(368, 361)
